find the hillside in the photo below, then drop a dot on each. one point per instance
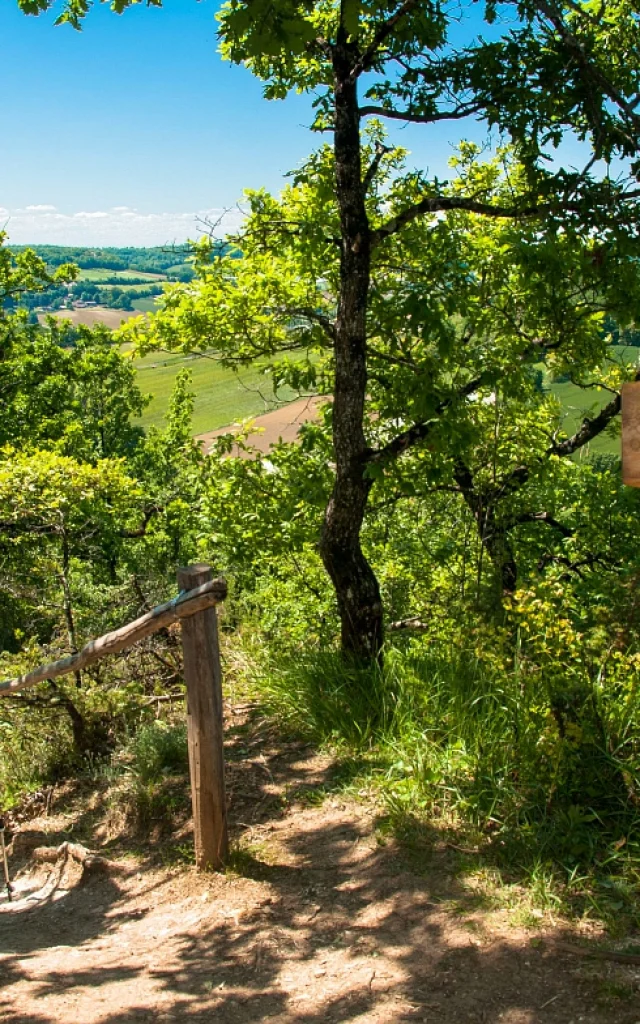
(125, 279)
(221, 396)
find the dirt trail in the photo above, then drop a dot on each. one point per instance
(320, 922)
(92, 315)
(280, 424)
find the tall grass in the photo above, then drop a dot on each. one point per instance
(479, 748)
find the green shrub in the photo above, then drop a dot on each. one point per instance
(34, 750)
(159, 749)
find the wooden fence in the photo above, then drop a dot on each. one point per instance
(194, 608)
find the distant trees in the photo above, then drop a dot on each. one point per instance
(113, 297)
(171, 261)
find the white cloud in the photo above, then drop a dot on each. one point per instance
(121, 225)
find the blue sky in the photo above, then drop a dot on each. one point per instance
(136, 111)
(134, 130)
(126, 132)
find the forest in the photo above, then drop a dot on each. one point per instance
(439, 580)
(163, 260)
(107, 277)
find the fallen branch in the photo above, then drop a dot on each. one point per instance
(91, 863)
(207, 596)
(471, 850)
(599, 954)
(413, 623)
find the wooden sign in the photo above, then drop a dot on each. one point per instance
(631, 434)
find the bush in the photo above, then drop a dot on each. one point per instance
(159, 749)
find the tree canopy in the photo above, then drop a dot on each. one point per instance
(415, 293)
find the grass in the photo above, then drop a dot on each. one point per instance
(222, 395)
(146, 780)
(98, 274)
(178, 268)
(454, 752)
(145, 305)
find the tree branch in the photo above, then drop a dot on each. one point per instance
(419, 431)
(17, 529)
(589, 428)
(464, 110)
(320, 44)
(383, 32)
(313, 314)
(412, 623)
(372, 170)
(440, 204)
(589, 561)
(141, 530)
(543, 517)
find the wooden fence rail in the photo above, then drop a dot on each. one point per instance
(203, 676)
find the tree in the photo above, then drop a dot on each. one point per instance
(549, 70)
(463, 311)
(417, 75)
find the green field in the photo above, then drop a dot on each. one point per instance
(179, 268)
(98, 274)
(145, 305)
(222, 396)
(128, 287)
(578, 403)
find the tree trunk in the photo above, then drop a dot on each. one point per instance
(80, 731)
(82, 741)
(356, 586)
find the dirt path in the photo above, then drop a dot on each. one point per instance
(319, 923)
(278, 425)
(92, 315)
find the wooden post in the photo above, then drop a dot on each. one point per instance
(203, 677)
(631, 434)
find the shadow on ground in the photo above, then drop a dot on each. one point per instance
(320, 923)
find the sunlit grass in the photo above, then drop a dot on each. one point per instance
(222, 395)
(451, 752)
